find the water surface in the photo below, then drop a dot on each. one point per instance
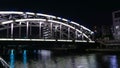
(48, 59)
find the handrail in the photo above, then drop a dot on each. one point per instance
(4, 63)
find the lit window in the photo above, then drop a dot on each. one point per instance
(117, 27)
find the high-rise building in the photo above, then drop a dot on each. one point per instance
(116, 24)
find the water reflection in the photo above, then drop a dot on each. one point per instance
(113, 62)
(25, 59)
(46, 59)
(12, 59)
(92, 61)
(45, 55)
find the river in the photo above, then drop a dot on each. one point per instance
(49, 59)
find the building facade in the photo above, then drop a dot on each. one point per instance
(116, 24)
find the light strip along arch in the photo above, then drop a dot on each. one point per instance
(43, 20)
(47, 16)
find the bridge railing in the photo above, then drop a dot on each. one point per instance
(53, 40)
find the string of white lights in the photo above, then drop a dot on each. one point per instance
(45, 15)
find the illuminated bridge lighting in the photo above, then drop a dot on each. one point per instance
(29, 26)
(59, 40)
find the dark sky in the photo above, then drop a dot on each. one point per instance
(87, 13)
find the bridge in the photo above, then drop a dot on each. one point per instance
(27, 28)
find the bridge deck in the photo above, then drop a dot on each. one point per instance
(43, 43)
(59, 40)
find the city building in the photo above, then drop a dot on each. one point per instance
(116, 24)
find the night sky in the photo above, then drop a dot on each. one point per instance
(87, 13)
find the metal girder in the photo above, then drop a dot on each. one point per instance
(36, 18)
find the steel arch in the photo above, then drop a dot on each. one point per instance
(11, 19)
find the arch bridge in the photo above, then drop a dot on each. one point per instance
(28, 26)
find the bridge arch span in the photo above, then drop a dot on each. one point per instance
(41, 26)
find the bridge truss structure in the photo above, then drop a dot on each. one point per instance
(27, 26)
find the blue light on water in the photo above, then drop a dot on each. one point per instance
(12, 59)
(25, 58)
(113, 62)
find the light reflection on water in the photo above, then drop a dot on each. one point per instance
(12, 59)
(25, 59)
(111, 60)
(45, 59)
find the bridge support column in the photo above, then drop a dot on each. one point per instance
(60, 32)
(76, 34)
(51, 26)
(40, 29)
(20, 30)
(30, 30)
(55, 32)
(11, 30)
(27, 28)
(68, 33)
